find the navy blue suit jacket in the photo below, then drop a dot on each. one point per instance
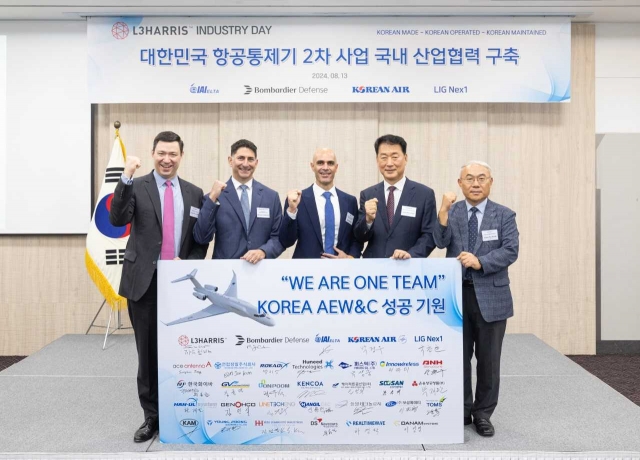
(305, 228)
(224, 220)
(411, 234)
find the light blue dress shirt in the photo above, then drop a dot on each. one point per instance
(178, 204)
(480, 214)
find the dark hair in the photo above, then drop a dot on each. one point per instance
(244, 143)
(391, 140)
(168, 136)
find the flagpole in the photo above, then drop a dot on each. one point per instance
(118, 325)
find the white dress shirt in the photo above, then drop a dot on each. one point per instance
(237, 185)
(320, 204)
(396, 193)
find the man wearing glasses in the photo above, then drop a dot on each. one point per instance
(483, 236)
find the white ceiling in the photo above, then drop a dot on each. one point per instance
(581, 11)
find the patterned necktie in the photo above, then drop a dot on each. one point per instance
(244, 201)
(167, 250)
(329, 224)
(390, 206)
(473, 237)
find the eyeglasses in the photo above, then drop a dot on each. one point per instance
(469, 180)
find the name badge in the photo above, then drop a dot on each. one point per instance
(194, 212)
(262, 213)
(349, 218)
(408, 211)
(489, 235)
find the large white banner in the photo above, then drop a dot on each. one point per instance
(358, 59)
(310, 352)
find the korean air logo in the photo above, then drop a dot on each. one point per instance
(380, 89)
(372, 339)
(247, 89)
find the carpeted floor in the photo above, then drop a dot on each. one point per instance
(620, 372)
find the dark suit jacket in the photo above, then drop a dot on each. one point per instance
(305, 228)
(225, 221)
(411, 234)
(139, 205)
(491, 283)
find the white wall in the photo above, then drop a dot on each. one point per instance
(45, 165)
(618, 163)
(617, 78)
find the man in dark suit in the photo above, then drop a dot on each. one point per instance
(483, 236)
(321, 217)
(398, 215)
(242, 214)
(162, 211)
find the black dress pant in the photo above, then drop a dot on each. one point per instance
(144, 319)
(486, 340)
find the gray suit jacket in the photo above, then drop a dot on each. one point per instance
(225, 221)
(139, 205)
(491, 282)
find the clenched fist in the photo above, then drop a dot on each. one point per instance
(130, 167)
(293, 198)
(371, 208)
(447, 201)
(216, 190)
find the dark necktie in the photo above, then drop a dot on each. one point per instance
(329, 224)
(473, 237)
(390, 206)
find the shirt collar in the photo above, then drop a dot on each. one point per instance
(161, 180)
(398, 185)
(236, 184)
(318, 191)
(480, 206)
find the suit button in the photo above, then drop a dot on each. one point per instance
(160, 243)
(154, 262)
(249, 243)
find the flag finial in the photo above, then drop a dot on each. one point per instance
(116, 125)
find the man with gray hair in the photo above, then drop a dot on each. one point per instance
(483, 236)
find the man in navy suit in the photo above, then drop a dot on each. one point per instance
(242, 214)
(483, 236)
(321, 217)
(398, 215)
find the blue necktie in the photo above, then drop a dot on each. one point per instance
(329, 224)
(473, 237)
(244, 201)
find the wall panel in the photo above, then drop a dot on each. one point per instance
(543, 157)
